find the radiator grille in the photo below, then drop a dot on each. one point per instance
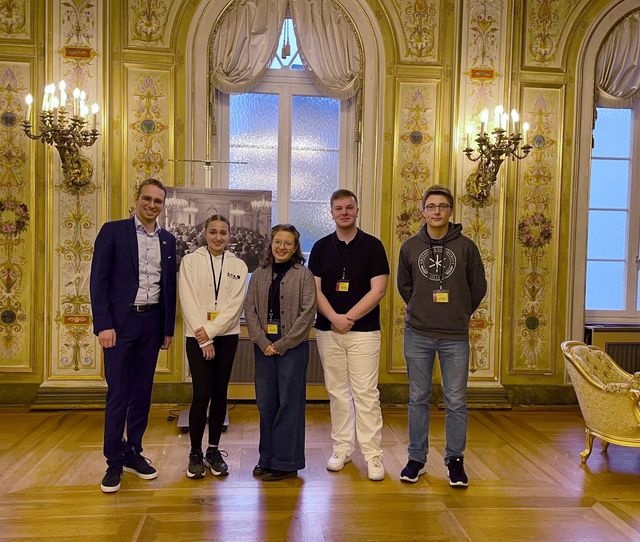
(627, 355)
(244, 370)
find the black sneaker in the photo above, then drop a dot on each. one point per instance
(259, 471)
(457, 476)
(140, 466)
(111, 481)
(413, 471)
(213, 460)
(196, 466)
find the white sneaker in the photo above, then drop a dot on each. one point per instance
(375, 469)
(337, 462)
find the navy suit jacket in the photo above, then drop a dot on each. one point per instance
(114, 276)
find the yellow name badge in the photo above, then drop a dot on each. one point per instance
(212, 315)
(272, 329)
(342, 286)
(441, 296)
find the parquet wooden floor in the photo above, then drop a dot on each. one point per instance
(526, 483)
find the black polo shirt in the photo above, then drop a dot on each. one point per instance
(360, 260)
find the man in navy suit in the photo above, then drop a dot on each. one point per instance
(133, 300)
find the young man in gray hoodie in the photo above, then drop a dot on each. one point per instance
(441, 279)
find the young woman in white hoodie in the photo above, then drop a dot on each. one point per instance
(211, 288)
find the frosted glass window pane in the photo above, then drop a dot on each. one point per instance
(313, 221)
(607, 238)
(253, 120)
(605, 286)
(609, 184)
(315, 123)
(612, 133)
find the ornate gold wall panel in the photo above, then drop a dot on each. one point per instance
(15, 20)
(534, 272)
(547, 24)
(417, 24)
(149, 23)
(149, 106)
(482, 82)
(416, 129)
(75, 210)
(17, 241)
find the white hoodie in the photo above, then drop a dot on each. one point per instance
(195, 287)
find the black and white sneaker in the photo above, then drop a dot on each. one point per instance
(140, 466)
(213, 460)
(111, 481)
(413, 471)
(457, 476)
(196, 466)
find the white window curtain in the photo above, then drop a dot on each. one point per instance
(329, 46)
(618, 65)
(243, 43)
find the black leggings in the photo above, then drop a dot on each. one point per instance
(210, 380)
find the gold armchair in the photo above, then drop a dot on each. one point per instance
(609, 397)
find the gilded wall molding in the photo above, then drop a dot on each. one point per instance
(75, 211)
(535, 252)
(413, 172)
(482, 86)
(547, 24)
(16, 223)
(417, 24)
(150, 22)
(15, 19)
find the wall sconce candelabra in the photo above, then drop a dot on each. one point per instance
(65, 127)
(503, 142)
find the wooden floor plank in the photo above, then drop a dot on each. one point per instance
(526, 483)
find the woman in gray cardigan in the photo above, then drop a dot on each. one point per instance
(279, 308)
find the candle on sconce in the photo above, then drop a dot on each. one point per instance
(469, 132)
(498, 115)
(45, 99)
(54, 105)
(504, 121)
(94, 109)
(76, 101)
(515, 118)
(484, 117)
(29, 101)
(525, 129)
(63, 95)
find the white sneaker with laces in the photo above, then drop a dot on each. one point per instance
(375, 469)
(337, 462)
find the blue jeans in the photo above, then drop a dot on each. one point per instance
(419, 353)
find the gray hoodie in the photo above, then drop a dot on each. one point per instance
(423, 269)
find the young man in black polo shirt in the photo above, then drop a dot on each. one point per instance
(351, 271)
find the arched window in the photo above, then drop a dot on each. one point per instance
(297, 143)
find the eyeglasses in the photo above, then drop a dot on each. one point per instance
(440, 207)
(285, 244)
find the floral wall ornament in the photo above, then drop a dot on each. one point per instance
(534, 231)
(14, 217)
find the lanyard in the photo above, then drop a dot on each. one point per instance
(345, 262)
(216, 284)
(433, 255)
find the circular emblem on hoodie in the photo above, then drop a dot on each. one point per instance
(433, 264)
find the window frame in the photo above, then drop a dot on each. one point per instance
(631, 313)
(287, 83)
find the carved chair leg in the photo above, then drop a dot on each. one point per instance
(589, 446)
(605, 446)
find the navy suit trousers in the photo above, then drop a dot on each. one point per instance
(129, 368)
